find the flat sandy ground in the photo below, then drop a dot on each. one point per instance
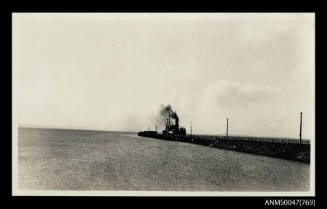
(90, 160)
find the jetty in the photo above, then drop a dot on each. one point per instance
(273, 147)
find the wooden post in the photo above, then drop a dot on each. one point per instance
(227, 129)
(301, 127)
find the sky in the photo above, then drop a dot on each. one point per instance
(114, 71)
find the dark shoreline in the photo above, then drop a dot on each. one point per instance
(288, 151)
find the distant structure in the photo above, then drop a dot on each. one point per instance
(172, 126)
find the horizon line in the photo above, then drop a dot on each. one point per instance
(86, 129)
(66, 128)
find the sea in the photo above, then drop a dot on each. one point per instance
(83, 160)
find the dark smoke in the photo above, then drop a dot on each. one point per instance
(160, 119)
(165, 111)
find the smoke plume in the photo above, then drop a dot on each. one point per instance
(165, 111)
(160, 119)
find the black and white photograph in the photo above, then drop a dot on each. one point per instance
(163, 104)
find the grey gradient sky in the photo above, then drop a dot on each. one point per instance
(114, 71)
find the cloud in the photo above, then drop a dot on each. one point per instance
(233, 94)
